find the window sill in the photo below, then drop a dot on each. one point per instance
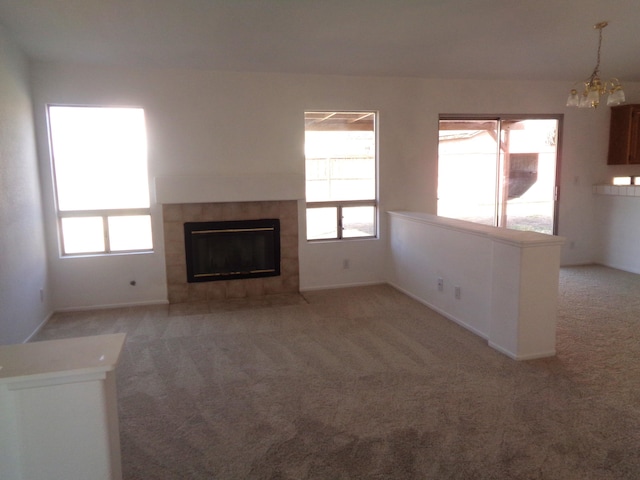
(335, 240)
(111, 254)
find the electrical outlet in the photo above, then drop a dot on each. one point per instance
(457, 293)
(345, 264)
(41, 295)
(440, 284)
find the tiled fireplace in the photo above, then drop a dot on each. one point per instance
(176, 215)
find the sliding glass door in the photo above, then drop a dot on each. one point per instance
(499, 171)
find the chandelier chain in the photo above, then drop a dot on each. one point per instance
(596, 71)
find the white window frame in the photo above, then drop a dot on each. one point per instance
(339, 205)
(104, 214)
(499, 175)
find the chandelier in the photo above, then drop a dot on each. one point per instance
(586, 94)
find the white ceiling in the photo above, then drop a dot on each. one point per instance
(484, 39)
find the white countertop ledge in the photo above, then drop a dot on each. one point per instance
(51, 359)
(617, 190)
(516, 238)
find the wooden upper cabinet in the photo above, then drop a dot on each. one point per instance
(624, 135)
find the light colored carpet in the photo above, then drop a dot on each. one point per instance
(365, 383)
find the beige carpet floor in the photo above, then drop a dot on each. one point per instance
(366, 383)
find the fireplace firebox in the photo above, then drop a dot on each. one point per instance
(227, 250)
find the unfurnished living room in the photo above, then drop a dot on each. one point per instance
(311, 239)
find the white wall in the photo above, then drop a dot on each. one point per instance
(222, 123)
(500, 284)
(617, 218)
(225, 124)
(23, 264)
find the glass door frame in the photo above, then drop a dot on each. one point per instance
(506, 118)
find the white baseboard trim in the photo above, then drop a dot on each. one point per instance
(340, 285)
(447, 315)
(504, 351)
(531, 356)
(616, 266)
(109, 306)
(39, 327)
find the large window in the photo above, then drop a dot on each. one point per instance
(340, 151)
(500, 171)
(99, 159)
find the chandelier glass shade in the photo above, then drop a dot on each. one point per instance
(587, 94)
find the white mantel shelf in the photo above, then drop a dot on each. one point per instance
(58, 411)
(229, 188)
(617, 190)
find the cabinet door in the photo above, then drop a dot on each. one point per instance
(619, 135)
(634, 137)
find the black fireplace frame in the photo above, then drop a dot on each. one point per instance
(239, 227)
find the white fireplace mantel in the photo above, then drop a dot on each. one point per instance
(229, 188)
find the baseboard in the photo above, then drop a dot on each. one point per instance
(622, 268)
(39, 327)
(340, 285)
(109, 306)
(508, 353)
(530, 356)
(445, 314)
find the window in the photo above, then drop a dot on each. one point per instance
(99, 157)
(341, 187)
(500, 171)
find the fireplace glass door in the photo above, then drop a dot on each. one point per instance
(232, 250)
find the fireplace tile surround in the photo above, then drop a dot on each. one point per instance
(174, 217)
